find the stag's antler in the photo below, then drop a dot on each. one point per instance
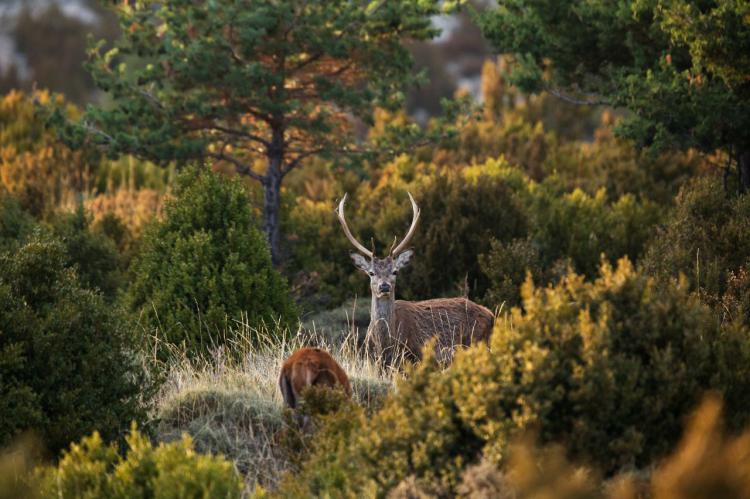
(415, 218)
(349, 236)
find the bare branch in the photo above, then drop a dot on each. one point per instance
(294, 163)
(95, 131)
(151, 98)
(573, 100)
(231, 131)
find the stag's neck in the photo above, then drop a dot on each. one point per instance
(382, 316)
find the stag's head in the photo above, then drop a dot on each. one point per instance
(382, 271)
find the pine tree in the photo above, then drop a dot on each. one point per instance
(256, 85)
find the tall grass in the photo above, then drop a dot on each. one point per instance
(229, 400)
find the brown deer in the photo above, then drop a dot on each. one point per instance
(399, 327)
(310, 367)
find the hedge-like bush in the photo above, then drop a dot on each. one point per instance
(15, 223)
(567, 230)
(205, 265)
(93, 469)
(67, 359)
(92, 253)
(608, 368)
(706, 239)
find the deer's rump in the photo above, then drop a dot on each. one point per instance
(453, 321)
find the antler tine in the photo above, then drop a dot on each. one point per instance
(349, 236)
(415, 218)
(390, 251)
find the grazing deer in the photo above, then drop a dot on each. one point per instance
(310, 367)
(403, 327)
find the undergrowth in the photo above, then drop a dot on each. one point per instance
(228, 400)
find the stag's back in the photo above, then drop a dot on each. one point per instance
(453, 321)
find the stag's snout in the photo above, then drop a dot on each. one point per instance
(384, 288)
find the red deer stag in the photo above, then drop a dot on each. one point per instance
(403, 327)
(310, 367)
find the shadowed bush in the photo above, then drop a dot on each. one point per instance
(706, 239)
(567, 230)
(69, 362)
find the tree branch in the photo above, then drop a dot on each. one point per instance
(294, 163)
(572, 100)
(231, 131)
(95, 131)
(242, 168)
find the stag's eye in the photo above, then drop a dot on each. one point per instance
(371, 273)
(395, 272)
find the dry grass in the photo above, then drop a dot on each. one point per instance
(229, 401)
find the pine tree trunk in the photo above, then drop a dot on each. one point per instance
(272, 195)
(743, 171)
(271, 209)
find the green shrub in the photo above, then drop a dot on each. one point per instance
(582, 227)
(207, 264)
(706, 238)
(330, 468)
(319, 265)
(68, 361)
(506, 265)
(459, 218)
(607, 368)
(462, 210)
(93, 469)
(92, 253)
(617, 165)
(15, 223)
(567, 230)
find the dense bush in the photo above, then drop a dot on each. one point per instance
(706, 464)
(481, 228)
(544, 136)
(606, 368)
(34, 166)
(706, 238)
(567, 230)
(207, 264)
(460, 215)
(68, 361)
(92, 253)
(15, 223)
(93, 469)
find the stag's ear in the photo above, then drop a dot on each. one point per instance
(402, 260)
(360, 262)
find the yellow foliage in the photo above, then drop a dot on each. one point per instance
(133, 208)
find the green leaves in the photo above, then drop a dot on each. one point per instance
(185, 77)
(92, 468)
(206, 264)
(67, 357)
(680, 66)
